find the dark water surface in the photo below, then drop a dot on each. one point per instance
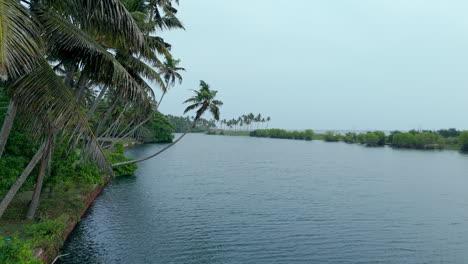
(215, 199)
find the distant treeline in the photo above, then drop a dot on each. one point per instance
(245, 122)
(426, 139)
(183, 123)
(281, 133)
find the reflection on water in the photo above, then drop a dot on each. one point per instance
(215, 199)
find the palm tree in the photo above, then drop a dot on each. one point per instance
(169, 72)
(203, 100)
(76, 39)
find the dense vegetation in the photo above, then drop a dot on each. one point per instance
(75, 83)
(441, 139)
(183, 123)
(281, 133)
(159, 129)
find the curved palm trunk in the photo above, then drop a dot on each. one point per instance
(138, 126)
(114, 125)
(106, 117)
(7, 125)
(37, 190)
(144, 121)
(21, 179)
(159, 152)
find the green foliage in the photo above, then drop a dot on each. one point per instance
(449, 133)
(463, 141)
(45, 231)
(68, 169)
(371, 139)
(116, 156)
(390, 137)
(159, 129)
(184, 123)
(16, 251)
(331, 136)
(309, 134)
(425, 140)
(281, 133)
(18, 151)
(350, 137)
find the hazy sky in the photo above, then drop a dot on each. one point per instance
(328, 64)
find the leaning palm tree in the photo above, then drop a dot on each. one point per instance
(72, 34)
(204, 99)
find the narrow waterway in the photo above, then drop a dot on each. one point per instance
(219, 199)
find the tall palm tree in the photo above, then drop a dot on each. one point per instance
(41, 39)
(203, 100)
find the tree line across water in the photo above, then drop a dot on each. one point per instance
(426, 139)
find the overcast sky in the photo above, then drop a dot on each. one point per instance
(328, 64)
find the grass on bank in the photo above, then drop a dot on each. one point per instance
(60, 203)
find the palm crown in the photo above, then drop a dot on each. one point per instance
(204, 99)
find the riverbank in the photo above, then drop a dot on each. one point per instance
(61, 208)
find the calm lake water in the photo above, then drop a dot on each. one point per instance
(216, 199)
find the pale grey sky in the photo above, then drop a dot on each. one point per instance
(328, 64)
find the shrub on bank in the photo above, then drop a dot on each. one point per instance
(116, 156)
(463, 141)
(425, 140)
(350, 137)
(14, 251)
(281, 133)
(330, 136)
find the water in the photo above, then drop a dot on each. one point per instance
(215, 199)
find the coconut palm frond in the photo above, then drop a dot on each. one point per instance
(158, 45)
(214, 111)
(169, 22)
(103, 17)
(63, 38)
(42, 92)
(19, 40)
(191, 107)
(136, 65)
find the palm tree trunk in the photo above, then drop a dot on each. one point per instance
(116, 123)
(40, 179)
(125, 129)
(69, 77)
(160, 100)
(96, 102)
(144, 121)
(80, 87)
(159, 152)
(138, 126)
(21, 179)
(106, 117)
(7, 125)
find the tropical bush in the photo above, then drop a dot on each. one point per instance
(16, 251)
(425, 140)
(284, 134)
(331, 136)
(116, 156)
(463, 141)
(159, 129)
